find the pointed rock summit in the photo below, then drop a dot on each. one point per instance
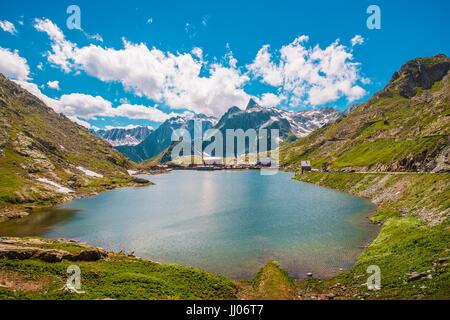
(252, 105)
(419, 73)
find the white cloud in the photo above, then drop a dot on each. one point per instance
(81, 107)
(357, 40)
(171, 78)
(62, 49)
(309, 75)
(81, 122)
(270, 100)
(53, 84)
(8, 26)
(95, 37)
(141, 112)
(197, 52)
(13, 66)
(264, 68)
(300, 74)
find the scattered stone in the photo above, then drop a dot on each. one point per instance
(16, 214)
(19, 249)
(330, 296)
(89, 255)
(141, 181)
(443, 260)
(416, 276)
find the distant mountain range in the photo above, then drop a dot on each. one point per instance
(290, 123)
(161, 138)
(123, 136)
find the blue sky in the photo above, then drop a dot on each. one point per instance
(159, 73)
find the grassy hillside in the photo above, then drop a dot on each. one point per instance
(117, 276)
(37, 143)
(270, 283)
(405, 127)
(414, 240)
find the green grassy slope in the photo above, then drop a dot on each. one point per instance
(414, 212)
(270, 283)
(116, 277)
(403, 129)
(36, 142)
(393, 131)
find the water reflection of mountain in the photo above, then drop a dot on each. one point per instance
(37, 223)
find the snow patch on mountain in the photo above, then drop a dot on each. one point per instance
(90, 173)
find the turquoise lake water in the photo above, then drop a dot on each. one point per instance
(227, 222)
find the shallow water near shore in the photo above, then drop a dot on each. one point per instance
(227, 222)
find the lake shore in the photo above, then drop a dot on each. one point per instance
(249, 218)
(412, 249)
(423, 273)
(52, 198)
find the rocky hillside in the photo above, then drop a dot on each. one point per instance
(290, 123)
(404, 127)
(46, 158)
(123, 136)
(161, 138)
(412, 248)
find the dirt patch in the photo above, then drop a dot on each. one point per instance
(15, 281)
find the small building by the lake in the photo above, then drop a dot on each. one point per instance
(305, 166)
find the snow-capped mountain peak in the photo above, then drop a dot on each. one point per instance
(124, 136)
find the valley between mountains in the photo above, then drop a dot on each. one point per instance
(392, 149)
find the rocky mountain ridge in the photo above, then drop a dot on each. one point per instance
(124, 136)
(404, 127)
(45, 158)
(290, 123)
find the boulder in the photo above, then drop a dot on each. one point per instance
(416, 276)
(22, 249)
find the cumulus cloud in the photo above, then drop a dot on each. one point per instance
(53, 84)
(301, 74)
(309, 75)
(95, 37)
(270, 100)
(62, 49)
(8, 26)
(358, 39)
(81, 107)
(134, 111)
(12, 65)
(172, 78)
